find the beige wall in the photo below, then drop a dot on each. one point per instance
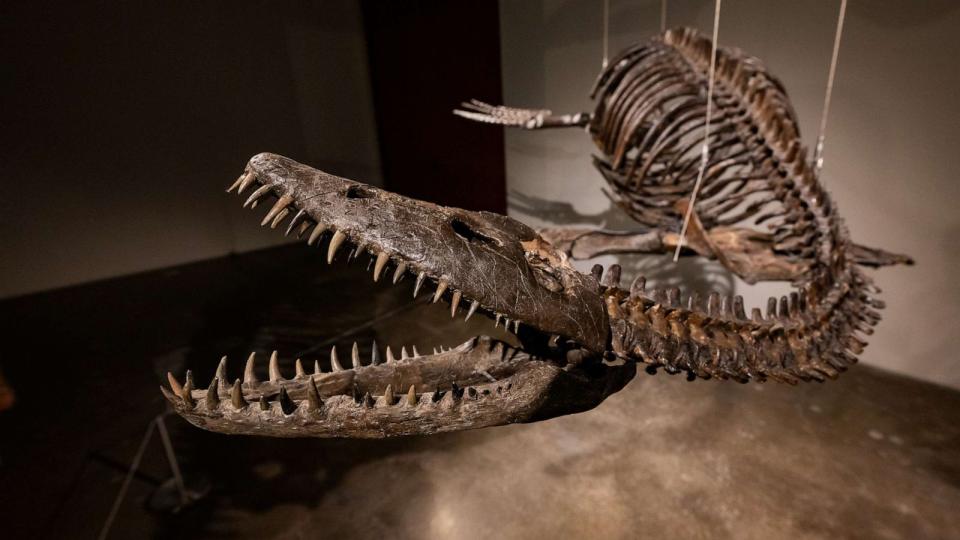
(891, 153)
(124, 124)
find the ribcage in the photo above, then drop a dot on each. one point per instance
(650, 125)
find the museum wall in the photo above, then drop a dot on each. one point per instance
(123, 124)
(891, 156)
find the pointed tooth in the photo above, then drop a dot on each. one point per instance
(448, 399)
(255, 196)
(222, 370)
(297, 218)
(189, 378)
(249, 377)
(403, 353)
(315, 234)
(316, 367)
(334, 361)
(388, 395)
(473, 309)
(314, 403)
(355, 356)
(186, 394)
(286, 404)
(239, 181)
(398, 273)
(236, 396)
(412, 396)
(213, 396)
(516, 327)
(420, 278)
(374, 354)
(455, 303)
(274, 368)
(441, 288)
(382, 259)
(245, 182)
(390, 358)
(264, 404)
(298, 366)
(496, 322)
(368, 401)
(415, 353)
(235, 184)
(280, 217)
(357, 251)
(435, 351)
(303, 228)
(174, 384)
(278, 207)
(335, 242)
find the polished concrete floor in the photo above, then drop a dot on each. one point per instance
(872, 455)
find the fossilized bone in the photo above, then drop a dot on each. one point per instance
(649, 123)
(581, 336)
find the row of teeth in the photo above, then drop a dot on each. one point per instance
(314, 402)
(250, 379)
(301, 223)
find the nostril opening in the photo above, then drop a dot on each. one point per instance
(466, 232)
(359, 192)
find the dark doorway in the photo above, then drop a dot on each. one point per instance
(426, 57)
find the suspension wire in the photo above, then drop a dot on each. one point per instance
(705, 149)
(663, 16)
(818, 152)
(606, 34)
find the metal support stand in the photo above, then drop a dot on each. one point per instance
(185, 496)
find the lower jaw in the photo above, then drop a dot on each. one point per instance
(533, 390)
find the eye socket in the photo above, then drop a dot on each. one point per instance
(359, 192)
(467, 233)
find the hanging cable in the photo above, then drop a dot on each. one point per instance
(705, 149)
(663, 16)
(818, 152)
(606, 33)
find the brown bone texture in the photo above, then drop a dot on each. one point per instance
(650, 123)
(582, 336)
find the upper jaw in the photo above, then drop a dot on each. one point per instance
(480, 259)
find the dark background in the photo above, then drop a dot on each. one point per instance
(123, 123)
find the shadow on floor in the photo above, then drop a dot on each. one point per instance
(871, 455)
